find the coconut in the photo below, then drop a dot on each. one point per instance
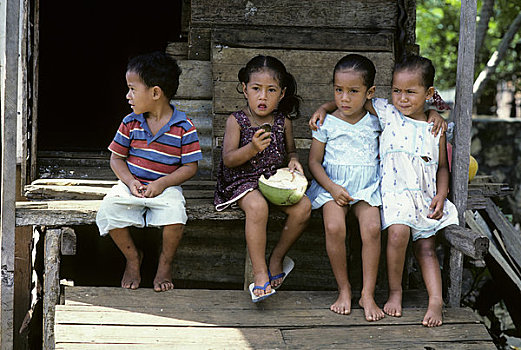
(284, 187)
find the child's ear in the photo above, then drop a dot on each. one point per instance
(282, 93)
(244, 90)
(430, 92)
(370, 92)
(156, 92)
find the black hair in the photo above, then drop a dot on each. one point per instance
(359, 64)
(157, 69)
(415, 62)
(290, 103)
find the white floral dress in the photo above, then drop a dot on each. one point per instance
(409, 161)
(350, 159)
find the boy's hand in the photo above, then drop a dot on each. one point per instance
(436, 207)
(153, 189)
(261, 139)
(439, 123)
(341, 196)
(319, 115)
(294, 164)
(137, 188)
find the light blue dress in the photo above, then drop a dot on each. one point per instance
(350, 159)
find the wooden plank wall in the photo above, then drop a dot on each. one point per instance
(309, 37)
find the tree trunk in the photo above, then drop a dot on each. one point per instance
(496, 58)
(487, 8)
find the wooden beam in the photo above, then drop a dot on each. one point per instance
(463, 121)
(469, 242)
(51, 285)
(9, 46)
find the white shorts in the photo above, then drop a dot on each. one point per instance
(121, 209)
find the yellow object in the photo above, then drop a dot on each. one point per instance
(473, 168)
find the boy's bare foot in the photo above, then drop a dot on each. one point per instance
(393, 306)
(132, 275)
(371, 310)
(163, 280)
(342, 305)
(433, 316)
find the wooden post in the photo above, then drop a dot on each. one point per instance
(9, 52)
(51, 285)
(463, 121)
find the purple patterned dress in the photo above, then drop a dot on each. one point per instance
(234, 183)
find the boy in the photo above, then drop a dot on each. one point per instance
(155, 150)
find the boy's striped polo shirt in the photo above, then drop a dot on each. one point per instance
(150, 157)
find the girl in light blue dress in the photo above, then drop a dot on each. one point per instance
(344, 162)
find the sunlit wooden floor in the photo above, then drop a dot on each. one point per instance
(115, 318)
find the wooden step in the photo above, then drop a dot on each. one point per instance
(113, 318)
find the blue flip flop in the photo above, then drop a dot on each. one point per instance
(287, 265)
(258, 298)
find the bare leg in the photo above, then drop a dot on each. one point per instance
(335, 227)
(256, 209)
(424, 250)
(397, 240)
(123, 240)
(298, 216)
(370, 231)
(171, 237)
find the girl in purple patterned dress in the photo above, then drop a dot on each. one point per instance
(258, 140)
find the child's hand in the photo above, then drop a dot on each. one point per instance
(261, 139)
(439, 123)
(436, 207)
(153, 189)
(294, 164)
(137, 188)
(341, 196)
(319, 116)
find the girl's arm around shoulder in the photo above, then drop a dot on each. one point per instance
(442, 181)
(320, 114)
(291, 149)
(234, 156)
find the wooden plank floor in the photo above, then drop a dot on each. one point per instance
(114, 318)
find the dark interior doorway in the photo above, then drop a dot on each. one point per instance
(84, 49)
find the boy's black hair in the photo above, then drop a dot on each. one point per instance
(360, 64)
(290, 103)
(415, 62)
(157, 69)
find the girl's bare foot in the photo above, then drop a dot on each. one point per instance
(275, 269)
(163, 280)
(393, 306)
(342, 305)
(260, 280)
(371, 310)
(433, 316)
(132, 275)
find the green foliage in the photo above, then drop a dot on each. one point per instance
(437, 34)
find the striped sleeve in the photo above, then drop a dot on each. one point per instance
(121, 143)
(190, 148)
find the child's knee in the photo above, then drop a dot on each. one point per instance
(371, 231)
(397, 239)
(335, 230)
(257, 208)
